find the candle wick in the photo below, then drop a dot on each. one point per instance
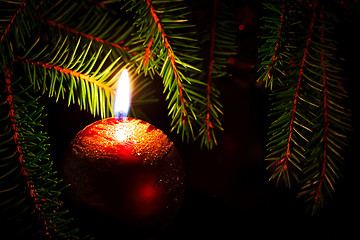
(121, 117)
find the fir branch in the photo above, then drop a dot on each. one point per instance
(326, 120)
(288, 156)
(18, 27)
(73, 73)
(171, 56)
(224, 39)
(273, 45)
(147, 52)
(208, 120)
(277, 43)
(103, 29)
(161, 47)
(93, 22)
(212, 44)
(312, 120)
(291, 116)
(221, 45)
(42, 205)
(321, 169)
(11, 21)
(18, 205)
(87, 79)
(97, 39)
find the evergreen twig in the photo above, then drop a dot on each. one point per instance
(33, 211)
(219, 36)
(325, 152)
(308, 102)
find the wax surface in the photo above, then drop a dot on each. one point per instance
(126, 169)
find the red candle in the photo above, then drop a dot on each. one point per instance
(127, 169)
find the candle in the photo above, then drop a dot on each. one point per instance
(125, 168)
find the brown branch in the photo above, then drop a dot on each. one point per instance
(172, 59)
(284, 161)
(276, 51)
(87, 35)
(209, 80)
(12, 20)
(17, 142)
(148, 52)
(84, 77)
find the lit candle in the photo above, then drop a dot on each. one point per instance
(125, 167)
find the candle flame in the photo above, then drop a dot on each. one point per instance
(122, 96)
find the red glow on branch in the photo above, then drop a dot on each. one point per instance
(12, 19)
(88, 36)
(170, 54)
(300, 78)
(9, 99)
(16, 138)
(211, 67)
(67, 71)
(148, 52)
(271, 65)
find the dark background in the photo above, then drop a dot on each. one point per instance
(227, 192)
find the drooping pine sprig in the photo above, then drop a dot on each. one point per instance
(161, 35)
(331, 125)
(300, 65)
(217, 45)
(273, 51)
(70, 75)
(16, 25)
(92, 22)
(18, 210)
(280, 74)
(283, 67)
(30, 188)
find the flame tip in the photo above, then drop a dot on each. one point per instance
(122, 96)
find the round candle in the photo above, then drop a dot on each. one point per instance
(127, 169)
